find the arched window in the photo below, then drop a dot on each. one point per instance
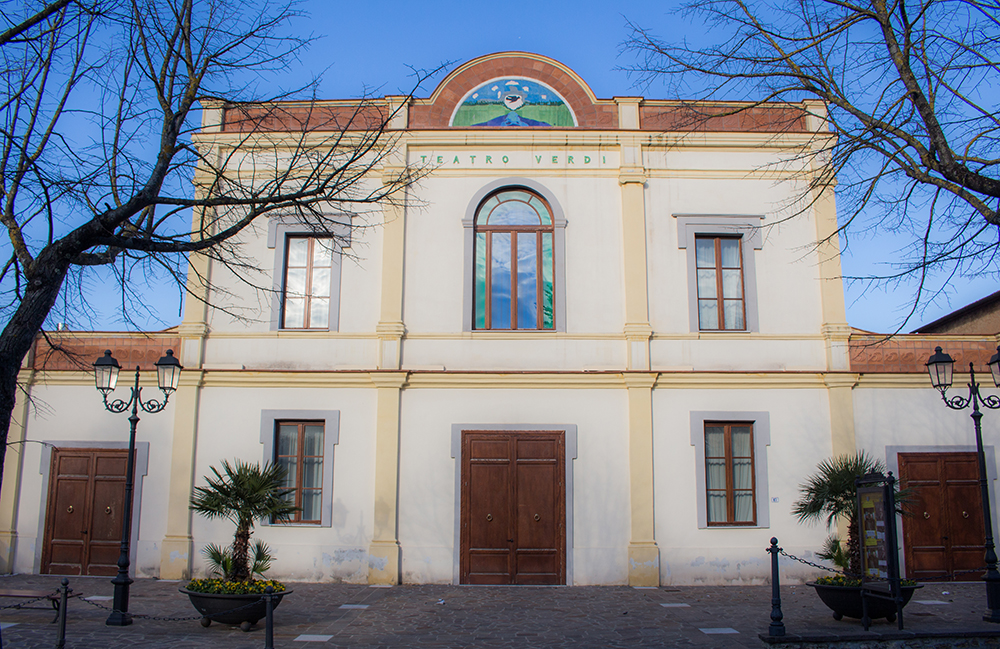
(514, 240)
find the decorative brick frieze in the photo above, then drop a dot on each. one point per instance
(676, 116)
(69, 352)
(296, 117)
(908, 354)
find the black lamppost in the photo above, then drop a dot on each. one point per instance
(168, 374)
(940, 367)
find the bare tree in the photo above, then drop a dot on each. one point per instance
(911, 92)
(99, 166)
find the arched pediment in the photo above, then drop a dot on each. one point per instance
(513, 89)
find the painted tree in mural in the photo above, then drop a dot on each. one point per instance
(100, 99)
(911, 90)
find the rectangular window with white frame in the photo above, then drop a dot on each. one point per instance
(306, 294)
(298, 449)
(731, 487)
(721, 264)
(306, 269)
(720, 284)
(302, 443)
(729, 474)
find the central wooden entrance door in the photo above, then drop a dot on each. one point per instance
(513, 507)
(83, 519)
(944, 532)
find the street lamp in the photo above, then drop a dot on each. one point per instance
(168, 374)
(940, 367)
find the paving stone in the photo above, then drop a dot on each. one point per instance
(519, 617)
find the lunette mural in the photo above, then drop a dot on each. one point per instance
(516, 102)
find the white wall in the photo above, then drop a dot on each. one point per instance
(800, 439)
(598, 537)
(65, 415)
(229, 427)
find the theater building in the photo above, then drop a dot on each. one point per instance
(598, 344)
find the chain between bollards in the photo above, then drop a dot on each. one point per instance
(777, 627)
(269, 618)
(63, 601)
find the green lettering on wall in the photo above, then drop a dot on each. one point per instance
(586, 159)
(569, 160)
(455, 161)
(423, 158)
(505, 159)
(440, 159)
(489, 160)
(555, 159)
(538, 159)
(473, 159)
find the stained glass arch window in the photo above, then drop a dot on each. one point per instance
(514, 270)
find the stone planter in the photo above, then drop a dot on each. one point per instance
(845, 601)
(214, 606)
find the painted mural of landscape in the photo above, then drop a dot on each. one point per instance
(513, 102)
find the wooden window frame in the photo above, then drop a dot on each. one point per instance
(300, 456)
(516, 231)
(308, 294)
(720, 301)
(730, 490)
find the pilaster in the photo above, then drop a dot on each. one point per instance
(831, 281)
(643, 553)
(628, 112)
(177, 546)
(632, 178)
(390, 328)
(10, 494)
(840, 390)
(384, 551)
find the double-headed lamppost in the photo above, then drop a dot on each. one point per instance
(168, 374)
(940, 367)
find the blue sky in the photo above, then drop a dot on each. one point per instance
(370, 47)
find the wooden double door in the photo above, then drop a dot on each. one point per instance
(513, 507)
(83, 518)
(943, 532)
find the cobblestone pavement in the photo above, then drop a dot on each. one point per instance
(441, 616)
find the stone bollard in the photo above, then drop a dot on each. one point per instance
(777, 627)
(269, 618)
(63, 602)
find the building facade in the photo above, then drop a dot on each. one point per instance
(598, 344)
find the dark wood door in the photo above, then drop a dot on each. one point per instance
(513, 507)
(83, 519)
(944, 532)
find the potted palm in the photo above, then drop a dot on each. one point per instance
(831, 492)
(244, 494)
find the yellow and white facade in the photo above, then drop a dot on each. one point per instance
(626, 372)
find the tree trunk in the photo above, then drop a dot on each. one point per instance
(17, 337)
(241, 551)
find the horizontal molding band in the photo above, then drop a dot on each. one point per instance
(445, 379)
(504, 335)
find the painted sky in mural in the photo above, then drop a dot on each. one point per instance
(513, 101)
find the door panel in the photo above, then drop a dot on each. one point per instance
(84, 513)
(513, 508)
(945, 532)
(488, 518)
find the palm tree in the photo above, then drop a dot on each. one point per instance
(245, 494)
(831, 491)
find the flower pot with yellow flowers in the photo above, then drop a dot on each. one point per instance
(244, 494)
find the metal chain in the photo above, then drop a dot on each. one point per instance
(816, 565)
(179, 619)
(857, 576)
(30, 601)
